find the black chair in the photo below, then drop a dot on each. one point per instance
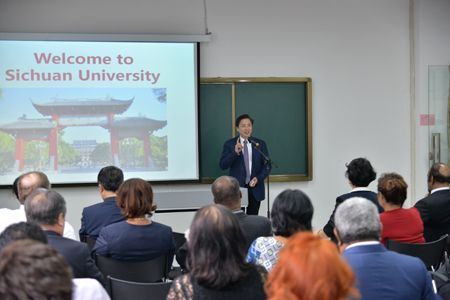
(432, 253)
(138, 271)
(89, 240)
(122, 289)
(179, 239)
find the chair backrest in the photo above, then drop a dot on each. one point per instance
(89, 240)
(431, 253)
(139, 271)
(122, 289)
(179, 239)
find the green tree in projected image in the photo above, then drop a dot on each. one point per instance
(6, 152)
(158, 146)
(67, 155)
(36, 155)
(131, 152)
(101, 156)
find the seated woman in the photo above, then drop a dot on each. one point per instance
(311, 268)
(400, 224)
(137, 238)
(216, 260)
(292, 212)
(360, 174)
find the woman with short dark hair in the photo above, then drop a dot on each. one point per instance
(400, 224)
(359, 173)
(138, 238)
(216, 260)
(292, 212)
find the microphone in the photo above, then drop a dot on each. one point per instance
(254, 143)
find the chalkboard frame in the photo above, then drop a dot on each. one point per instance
(233, 81)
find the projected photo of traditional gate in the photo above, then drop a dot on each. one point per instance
(77, 134)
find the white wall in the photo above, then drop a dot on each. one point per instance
(432, 45)
(355, 51)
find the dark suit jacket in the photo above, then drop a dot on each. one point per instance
(99, 215)
(253, 226)
(387, 275)
(77, 255)
(260, 168)
(435, 213)
(371, 196)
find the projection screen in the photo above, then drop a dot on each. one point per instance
(71, 107)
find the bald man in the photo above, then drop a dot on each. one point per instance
(435, 208)
(22, 187)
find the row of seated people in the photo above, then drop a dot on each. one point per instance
(309, 267)
(291, 209)
(428, 220)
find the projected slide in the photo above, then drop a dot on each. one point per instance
(71, 108)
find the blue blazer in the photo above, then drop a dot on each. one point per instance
(99, 215)
(260, 168)
(77, 255)
(387, 275)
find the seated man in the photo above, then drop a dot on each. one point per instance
(380, 273)
(82, 288)
(48, 209)
(22, 187)
(99, 215)
(226, 191)
(435, 208)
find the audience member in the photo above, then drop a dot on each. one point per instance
(435, 208)
(216, 260)
(380, 274)
(226, 191)
(83, 288)
(292, 212)
(310, 268)
(99, 215)
(22, 187)
(138, 238)
(33, 270)
(48, 209)
(400, 224)
(360, 174)
(22, 231)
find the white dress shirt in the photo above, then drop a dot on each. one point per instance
(12, 216)
(88, 289)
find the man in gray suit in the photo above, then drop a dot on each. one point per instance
(226, 192)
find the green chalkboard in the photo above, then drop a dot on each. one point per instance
(281, 108)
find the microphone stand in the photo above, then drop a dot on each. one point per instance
(268, 162)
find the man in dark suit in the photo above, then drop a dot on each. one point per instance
(380, 273)
(48, 209)
(226, 192)
(247, 159)
(435, 208)
(99, 215)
